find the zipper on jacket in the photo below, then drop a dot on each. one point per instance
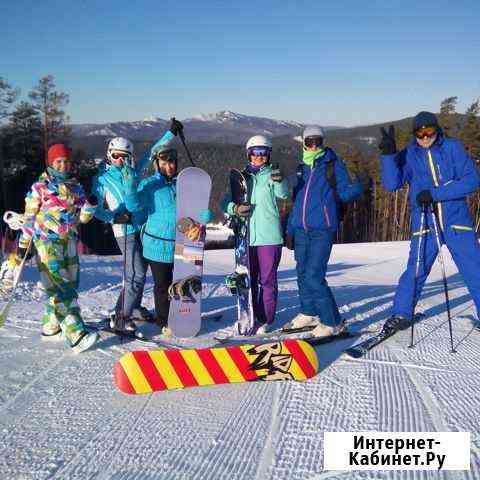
(435, 182)
(327, 218)
(307, 188)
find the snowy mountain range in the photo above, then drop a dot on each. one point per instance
(224, 127)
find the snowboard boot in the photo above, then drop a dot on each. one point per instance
(86, 341)
(395, 323)
(302, 320)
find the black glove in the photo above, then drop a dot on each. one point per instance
(21, 252)
(92, 200)
(242, 210)
(387, 144)
(424, 198)
(276, 174)
(122, 218)
(176, 127)
(290, 242)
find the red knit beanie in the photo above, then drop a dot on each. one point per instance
(59, 150)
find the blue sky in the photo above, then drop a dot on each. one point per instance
(334, 63)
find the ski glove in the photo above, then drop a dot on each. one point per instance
(92, 200)
(276, 174)
(290, 242)
(242, 210)
(424, 198)
(9, 271)
(176, 127)
(387, 144)
(129, 176)
(122, 218)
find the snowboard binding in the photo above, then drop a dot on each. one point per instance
(186, 289)
(236, 281)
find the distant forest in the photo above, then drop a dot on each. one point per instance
(28, 128)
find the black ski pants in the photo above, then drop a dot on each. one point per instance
(162, 279)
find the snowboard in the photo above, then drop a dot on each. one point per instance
(241, 276)
(141, 372)
(193, 195)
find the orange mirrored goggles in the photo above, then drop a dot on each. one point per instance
(425, 132)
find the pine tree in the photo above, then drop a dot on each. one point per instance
(50, 104)
(447, 116)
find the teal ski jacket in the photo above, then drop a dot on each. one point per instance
(265, 225)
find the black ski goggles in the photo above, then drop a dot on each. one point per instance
(310, 142)
(170, 157)
(121, 155)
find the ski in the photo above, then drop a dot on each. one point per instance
(362, 348)
(282, 334)
(141, 372)
(104, 326)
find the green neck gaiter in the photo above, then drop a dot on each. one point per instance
(56, 174)
(309, 156)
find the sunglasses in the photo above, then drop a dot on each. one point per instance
(118, 155)
(425, 132)
(259, 151)
(313, 142)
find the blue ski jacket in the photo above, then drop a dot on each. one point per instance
(109, 188)
(155, 196)
(445, 169)
(315, 205)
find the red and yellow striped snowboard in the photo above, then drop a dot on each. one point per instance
(152, 371)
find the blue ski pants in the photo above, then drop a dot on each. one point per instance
(312, 251)
(463, 245)
(135, 274)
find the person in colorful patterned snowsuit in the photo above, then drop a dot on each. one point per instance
(266, 185)
(109, 188)
(156, 196)
(54, 207)
(311, 230)
(440, 175)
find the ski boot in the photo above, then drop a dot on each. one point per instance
(324, 331)
(236, 281)
(142, 314)
(395, 323)
(302, 320)
(185, 289)
(119, 324)
(85, 341)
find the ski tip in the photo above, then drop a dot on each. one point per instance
(354, 352)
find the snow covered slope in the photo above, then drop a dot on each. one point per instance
(61, 417)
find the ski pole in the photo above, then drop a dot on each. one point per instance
(182, 138)
(417, 269)
(444, 275)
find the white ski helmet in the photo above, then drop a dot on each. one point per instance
(120, 144)
(313, 131)
(259, 141)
